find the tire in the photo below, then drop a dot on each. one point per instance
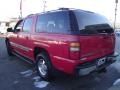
(44, 66)
(9, 50)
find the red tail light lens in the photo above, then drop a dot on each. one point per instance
(75, 50)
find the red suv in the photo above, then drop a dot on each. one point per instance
(69, 40)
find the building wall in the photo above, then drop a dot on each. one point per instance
(3, 27)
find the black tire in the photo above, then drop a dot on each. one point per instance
(9, 49)
(44, 66)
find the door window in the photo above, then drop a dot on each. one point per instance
(27, 25)
(18, 26)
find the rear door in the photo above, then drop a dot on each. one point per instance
(96, 36)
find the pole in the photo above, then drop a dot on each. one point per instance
(44, 6)
(116, 1)
(21, 9)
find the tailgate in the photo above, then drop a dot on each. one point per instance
(96, 46)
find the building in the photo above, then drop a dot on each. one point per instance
(13, 21)
(5, 24)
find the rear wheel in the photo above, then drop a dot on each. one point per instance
(44, 66)
(9, 50)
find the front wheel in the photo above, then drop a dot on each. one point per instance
(44, 66)
(9, 50)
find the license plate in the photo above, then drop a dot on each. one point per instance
(101, 61)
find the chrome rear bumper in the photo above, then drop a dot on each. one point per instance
(92, 67)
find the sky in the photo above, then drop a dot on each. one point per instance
(10, 8)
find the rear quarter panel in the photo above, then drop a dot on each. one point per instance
(57, 46)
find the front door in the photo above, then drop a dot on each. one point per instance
(24, 37)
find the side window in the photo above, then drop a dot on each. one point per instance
(51, 25)
(56, 22)
(41, 24)
(27, 25)
(18, 26)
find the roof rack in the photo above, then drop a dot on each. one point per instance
(59, 9)
(63, 8)
(30, 15)
(54, 10)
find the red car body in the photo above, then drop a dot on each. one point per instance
(67, 52)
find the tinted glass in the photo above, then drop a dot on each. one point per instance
(27, 25)
(18, 25)
(55, 22)
(91, 23)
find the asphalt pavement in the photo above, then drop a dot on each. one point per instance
(15, 74)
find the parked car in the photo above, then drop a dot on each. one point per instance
(117, 32)
(73, 41)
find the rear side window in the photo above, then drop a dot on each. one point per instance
(55, 22)
(91, 23)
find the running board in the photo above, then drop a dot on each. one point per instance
(23, 58)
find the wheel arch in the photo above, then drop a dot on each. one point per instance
(38, 50)
(6, 40)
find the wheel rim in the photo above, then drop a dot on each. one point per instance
(42, 67)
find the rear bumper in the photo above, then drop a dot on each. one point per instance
(76, 67)
(87, 68)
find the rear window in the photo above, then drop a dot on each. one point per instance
(91, 23)
(54, 22)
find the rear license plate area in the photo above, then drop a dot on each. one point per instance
(100, 62)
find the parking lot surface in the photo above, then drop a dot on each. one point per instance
(15, 74)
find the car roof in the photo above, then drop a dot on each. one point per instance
(60, 10)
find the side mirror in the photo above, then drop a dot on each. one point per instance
(9, 30)
(17, 30)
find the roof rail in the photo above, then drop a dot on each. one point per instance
(54, 10)
(63, 8)
(30, 15)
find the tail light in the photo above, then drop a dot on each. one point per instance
(74, 50)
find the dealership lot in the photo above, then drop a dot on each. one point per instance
(15, 74)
